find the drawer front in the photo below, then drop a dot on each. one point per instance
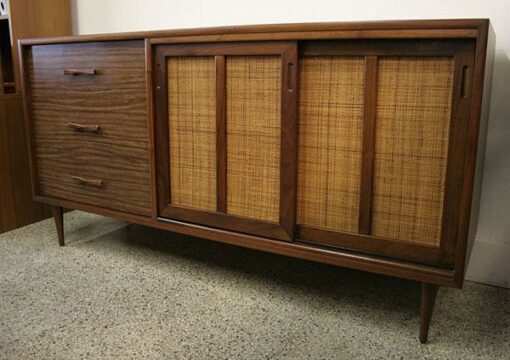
(89, 113)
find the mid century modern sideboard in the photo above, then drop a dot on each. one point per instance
(353, 144)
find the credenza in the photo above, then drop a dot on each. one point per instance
(353, 144)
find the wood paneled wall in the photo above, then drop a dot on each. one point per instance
(37, 18)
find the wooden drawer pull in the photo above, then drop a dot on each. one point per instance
(88, 182)
(84, 128)
(464, 83)
(79, 71)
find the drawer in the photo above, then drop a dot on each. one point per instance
(89, 112)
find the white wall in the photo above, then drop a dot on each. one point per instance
(490, 261)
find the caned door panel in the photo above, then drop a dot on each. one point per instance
(253, 136)
(381, 128)
(412, 130)
(192, 131)
(226, 135)
(330, 139)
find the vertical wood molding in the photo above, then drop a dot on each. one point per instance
(455, 174)
(149, 61)
(289, 138)
(161, 130)
(221, 135)
(368, 147)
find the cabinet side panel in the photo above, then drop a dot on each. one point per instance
(253, 136)
(411, 147)
(482, 143)
(330, 140)
(192, 126)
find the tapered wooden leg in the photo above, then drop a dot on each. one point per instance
(428, 298)
(58, 215)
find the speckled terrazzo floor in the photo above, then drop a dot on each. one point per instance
(118, 291)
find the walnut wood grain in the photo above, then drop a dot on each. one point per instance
(289, 139)
(117, 158)
(7, 201)
(455, 174)
(112, 102)
(375, 30)
(449, 28)
(16, 205)
(226, 221)
(149, 81)
(386, 247)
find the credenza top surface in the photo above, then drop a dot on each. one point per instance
(467, 28)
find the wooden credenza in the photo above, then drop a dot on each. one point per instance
(353, 144)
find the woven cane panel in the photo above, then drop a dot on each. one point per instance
(330, 133)
(192, 125)
(412, 130)
(253, 136)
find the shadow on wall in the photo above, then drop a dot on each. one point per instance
(74, 16)
(489, 260)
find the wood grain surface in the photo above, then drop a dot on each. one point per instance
(379, 253)
(113, 98)
(16, 205)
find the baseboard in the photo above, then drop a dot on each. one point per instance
(489, 264)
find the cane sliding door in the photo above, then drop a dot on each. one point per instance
(382, 125)
(226, 135)
(368, 156)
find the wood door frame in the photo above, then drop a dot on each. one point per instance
(287, 50)
(462, 52)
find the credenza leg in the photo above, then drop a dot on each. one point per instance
(58, 215)
(428, 298)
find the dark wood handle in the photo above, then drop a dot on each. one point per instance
(79, 71)
(464, 82)
(88, 182)
(9, 86)
(84, 128)
(290, 86)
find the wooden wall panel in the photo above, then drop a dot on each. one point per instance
(330, 139)
(27, 19)
(7, 201)
(192, 126)
(411, 143)
(37, 18)
(253, 136)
